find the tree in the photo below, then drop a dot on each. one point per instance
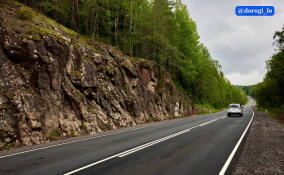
(158, 30)
(270, 93)
(76, 20)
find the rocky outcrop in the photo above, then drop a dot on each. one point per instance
(54, 83)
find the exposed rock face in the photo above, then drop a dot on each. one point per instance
(52, 87)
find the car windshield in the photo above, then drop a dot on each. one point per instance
(234, 106)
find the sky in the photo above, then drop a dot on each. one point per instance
(241, 44)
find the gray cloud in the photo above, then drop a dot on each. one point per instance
(240, 44)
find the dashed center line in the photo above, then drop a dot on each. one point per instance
(146, 145)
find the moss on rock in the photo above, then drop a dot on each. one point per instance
(25, 13)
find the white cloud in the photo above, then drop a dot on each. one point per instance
(245, 79)
(240, 44)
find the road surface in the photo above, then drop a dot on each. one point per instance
(193, 145)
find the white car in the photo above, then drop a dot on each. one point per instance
(235, 109)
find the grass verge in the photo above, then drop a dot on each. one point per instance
(275, 113)
(206, 109)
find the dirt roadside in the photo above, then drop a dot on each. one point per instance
(263, 151)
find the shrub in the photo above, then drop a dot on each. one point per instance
(25, 13)
(282, 108)
(156, 119)
(73, 134)
(55, 133)
(84, 125)
(148, 120)
(6, 147)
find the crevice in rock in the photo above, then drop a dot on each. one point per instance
(68, 100)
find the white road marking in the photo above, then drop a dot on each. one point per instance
(226, 165)
(135, 149)
(206, 123)
(125, 153)
(211, 121)
(41, 148)
(36, 149)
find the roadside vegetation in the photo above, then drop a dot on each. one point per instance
(207, 109)
(275, 113)
(249, 90)
(269, 94)
(158, 30)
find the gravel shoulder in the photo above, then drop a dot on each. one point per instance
(263, 151)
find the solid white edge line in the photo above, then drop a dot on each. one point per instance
(226, 165)
(135, 149)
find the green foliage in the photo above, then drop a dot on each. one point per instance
(270, 92)
(73, 134)
(55, 133)
(279, 39)
(206, 108)
(158, 30)
(6, 147)
(84, 125)
(25, 13)
(249, 90)
(275, 113)
(156, 119)
(77, 73)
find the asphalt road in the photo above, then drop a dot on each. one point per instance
(193, 145)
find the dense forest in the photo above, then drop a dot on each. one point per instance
(158, 30)
(249, 90)
(270, 93)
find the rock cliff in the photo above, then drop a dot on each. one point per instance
(55, 83)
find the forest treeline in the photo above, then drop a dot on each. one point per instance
(158, 30)
(270, 92)
(249, 90)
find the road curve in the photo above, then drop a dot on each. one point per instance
(193, 145)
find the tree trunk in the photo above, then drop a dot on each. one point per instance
(75, 14)
(92, 18)
(197, 91)
(116, 21)
(108, 18)
(131, 28)
(95, 9)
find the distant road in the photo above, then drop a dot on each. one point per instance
(193, 145)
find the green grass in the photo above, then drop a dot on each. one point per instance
(275, 113)
(202, 112)
(277, 116)
(275, 110)
(207, 108)
(262, 109)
